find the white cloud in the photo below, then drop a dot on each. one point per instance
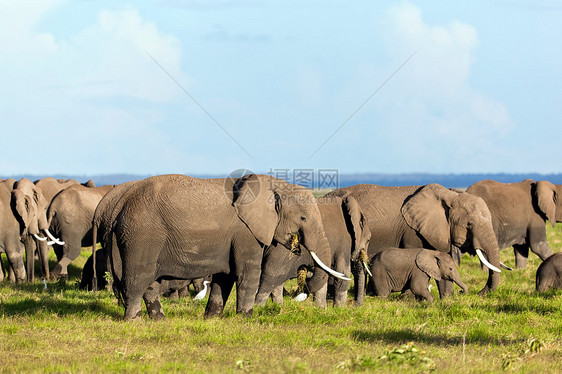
(431, 109)
(95, 88)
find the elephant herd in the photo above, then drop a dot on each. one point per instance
(164, 232)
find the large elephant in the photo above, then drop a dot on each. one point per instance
(174, 226)
(432, 217)
(549, 273)
(10, 242)
(50, 187)
(348, 233)
(409, 269)
(31, 211)
(519, 213)
(70, 217)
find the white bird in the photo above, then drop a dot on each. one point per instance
(301, 297)
(429, 287)
(44, 284)
(203, 292)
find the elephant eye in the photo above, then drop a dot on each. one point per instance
(303, 218)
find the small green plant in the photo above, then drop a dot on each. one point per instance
(108, 280)
(408, 355)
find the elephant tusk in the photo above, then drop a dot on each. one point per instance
(505, 266)
(327, 269)
(367, 268)
(39, 238)
(301, 297)
(203, 292)
(486, 262)
(50, 242)
(58, 241)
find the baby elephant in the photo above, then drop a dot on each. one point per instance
(549, 273)
(402, 269)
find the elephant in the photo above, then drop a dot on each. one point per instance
(31, 211)
(549, 273)
(175, 226)
(70, 217)
(50, 187)
(403, 269)
(431, 217)
(10, 242)
(519, 213)
(347, 230)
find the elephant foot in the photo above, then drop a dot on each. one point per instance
(248, 313)
(134, 317)
(212, 311)
(174, 295)
(484, 291)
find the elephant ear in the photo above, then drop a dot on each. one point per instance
(429, 263)
(23, 206)
(358, 220)
(255, 205)
(426, 211)
(545, 193)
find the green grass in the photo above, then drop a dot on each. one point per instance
(62, 329)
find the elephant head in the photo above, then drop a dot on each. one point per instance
(30, 206)
(448, 219)
(548, 199)
(288, 214)
(439, 265)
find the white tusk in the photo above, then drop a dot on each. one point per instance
(58, 241)
(367, 268)
(505, 266)
(50, 242)
(39, 238)
(301, 297)
(486, 263)
(327, 269)
(203, 292)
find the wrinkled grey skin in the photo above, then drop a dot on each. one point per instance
(519, 213)
(174, 226)
(70, 217)
(430, 216)
(10, 243)
(549, 273)
(30, 209)
(402, 269)
(347, 232)
(50, 187)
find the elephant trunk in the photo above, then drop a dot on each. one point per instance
(319, 248)
(461, 284)
(489, 255)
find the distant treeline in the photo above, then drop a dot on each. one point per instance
(344, 180)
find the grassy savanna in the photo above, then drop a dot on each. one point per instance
(62, 329)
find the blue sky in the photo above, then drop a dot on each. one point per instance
(80, 93)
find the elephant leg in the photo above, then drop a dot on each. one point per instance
(320, 296)
(184, 292)
(173, 295)
(445, 287)
(341, 286)
(521, 252)
(152, 301)
(358, 283)
(221, 286)
(30, 248)
(1, 270)
(277, 295)
(541, 249)
(421, 292)
(71, 250)
(43, 250)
